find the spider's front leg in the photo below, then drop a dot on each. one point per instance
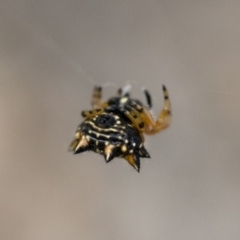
(96, 97)
(96, 102)
(163, 120)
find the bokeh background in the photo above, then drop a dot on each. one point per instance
(52, 53)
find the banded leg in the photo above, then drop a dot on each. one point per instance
(96, 97)
(133, 111)
(92, 113)
(164, 118)
(148, 98)
(124, 91)
(96, 103)
(142, 118)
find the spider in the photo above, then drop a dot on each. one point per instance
(115, 128)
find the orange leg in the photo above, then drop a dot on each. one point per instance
(163, 120)
(142, 118)
(133, 111)
(96, 97)
(96, 102)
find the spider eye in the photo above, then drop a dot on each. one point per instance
(105, 121)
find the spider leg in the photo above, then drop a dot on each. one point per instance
(141, 117)
(96, 102)
(163, 120)
(96, 97)
(148, 98)
(133, 111)
(119, 92)
(91, 113)
(125, 91)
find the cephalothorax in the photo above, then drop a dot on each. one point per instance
(115, 128)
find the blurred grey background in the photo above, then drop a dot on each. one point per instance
(52, 53)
